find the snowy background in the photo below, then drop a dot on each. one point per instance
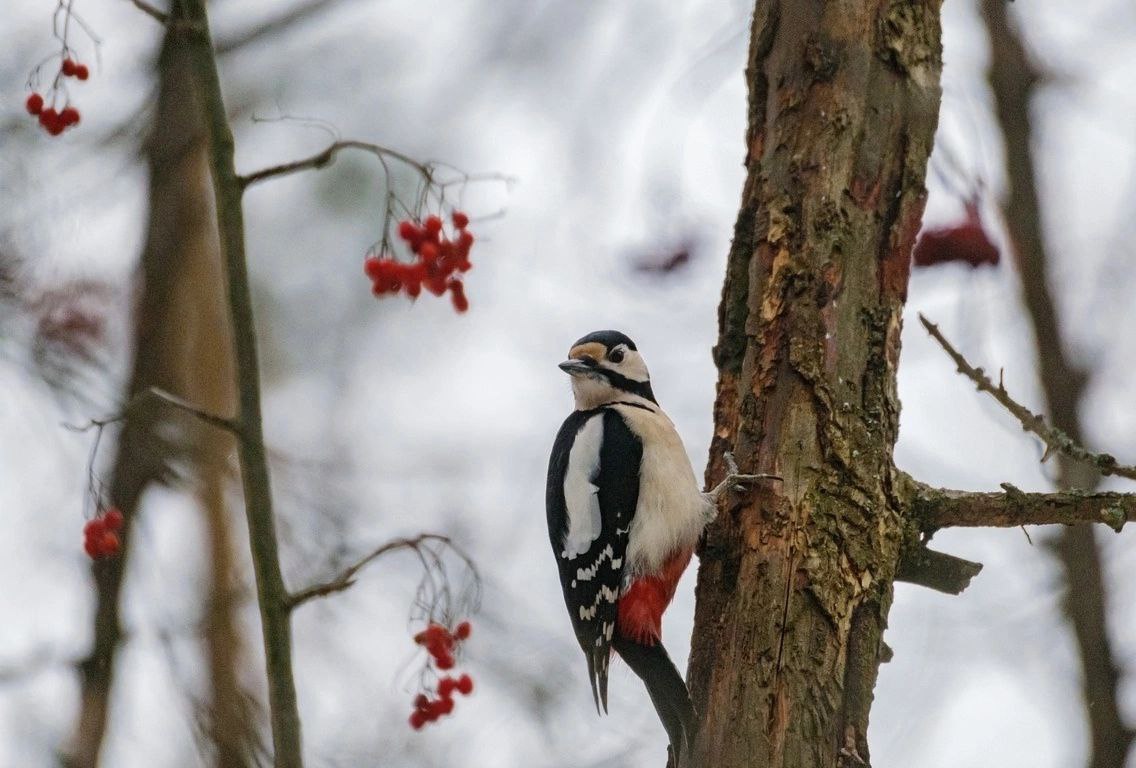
(622, 124)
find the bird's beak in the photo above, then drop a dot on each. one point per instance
(575, 367)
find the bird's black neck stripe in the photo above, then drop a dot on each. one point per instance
(619, 381)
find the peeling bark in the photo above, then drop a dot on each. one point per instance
(796, 579)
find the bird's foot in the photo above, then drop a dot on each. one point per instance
(734, 480)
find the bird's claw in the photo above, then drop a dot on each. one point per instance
(734, 480)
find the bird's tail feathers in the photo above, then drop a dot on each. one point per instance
(667, 690)
(599, 660)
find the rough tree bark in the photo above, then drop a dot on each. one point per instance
(796, 579)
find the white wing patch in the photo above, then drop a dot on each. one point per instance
(587, 613)
(580, 494)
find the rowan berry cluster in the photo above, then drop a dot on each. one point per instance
(441, 643)
(441, 259)
(100, 536)
(50, 119)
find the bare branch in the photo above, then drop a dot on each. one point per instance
(326, 157)
(347, 577)
(1054, 438)
(151, 11)
(271, 592)
(936, 508)
(274, 27)
(428, 169)
(153, 393)
(936, 570)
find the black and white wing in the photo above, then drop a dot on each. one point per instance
(593, 487)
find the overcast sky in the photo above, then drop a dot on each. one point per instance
(622, 124)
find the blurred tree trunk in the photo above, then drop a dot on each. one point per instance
(796, 578)
(183, 346)
(1012, 79)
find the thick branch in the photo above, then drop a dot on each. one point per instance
(272, 596)
(936, 570)
(936, 508)
(346, 577)
(1054, 438)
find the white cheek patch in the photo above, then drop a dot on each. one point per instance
(581, 495)
(634, 368)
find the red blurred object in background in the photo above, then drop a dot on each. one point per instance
(966, 242)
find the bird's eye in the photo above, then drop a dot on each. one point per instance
(616, 355)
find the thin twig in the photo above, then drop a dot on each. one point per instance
(346, 577)
(153, 393)
(1054, 438)
(326, 157)
(427, 169)
(151, 11)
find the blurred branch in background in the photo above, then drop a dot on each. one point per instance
(1013, 77)
(181, 346)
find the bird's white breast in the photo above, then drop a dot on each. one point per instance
(672, 511)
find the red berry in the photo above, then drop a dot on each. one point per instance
(428, 252)
(34, 104)
(465, 685)
(444, 706)
(433, 225)
(69, 68)
(94, 528)
(82, 72)
(413, 288)
(436, 285)
(113, 519)
(444, 661)
(69, 116)
(91, 548)
(421, 702)
(463, 630)
(465, 241)
(446, 687)
(437, 633)
(407, 230)
(461, 221)
(372, 267)
(417, 719)
(457, 296)
(47, 117)
(109, 545)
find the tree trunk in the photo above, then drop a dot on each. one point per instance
(796, 577)
(182, 345)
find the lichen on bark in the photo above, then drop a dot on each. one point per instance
(796, 577)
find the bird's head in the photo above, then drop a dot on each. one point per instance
(606, 367)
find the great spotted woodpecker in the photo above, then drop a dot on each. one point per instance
(625, 513)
